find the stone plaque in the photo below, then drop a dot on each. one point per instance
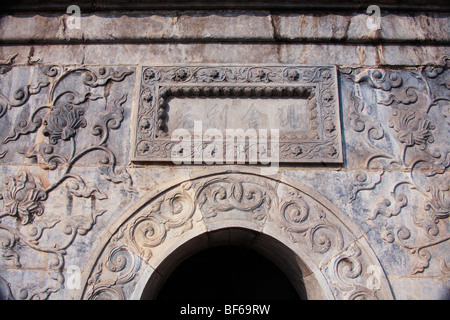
(295, 108)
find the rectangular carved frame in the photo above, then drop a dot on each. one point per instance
(317, 84)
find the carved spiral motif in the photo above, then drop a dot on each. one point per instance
(362, 293)
(117, 259)
(181, 208)
(347, 270)
(349, 267)
(295, 213)
(299, 218)
(433, 71)
(323, 236)
(148, 232)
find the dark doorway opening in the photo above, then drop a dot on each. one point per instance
(227, 272)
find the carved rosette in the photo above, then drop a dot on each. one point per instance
(318, 85)
(62, 122)
(23, 197)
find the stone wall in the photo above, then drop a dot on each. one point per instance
(365, 211)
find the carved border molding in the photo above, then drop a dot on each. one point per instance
(318, 85)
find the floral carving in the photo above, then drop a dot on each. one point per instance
(292, 74)
(23, 197)
(181, 74)
(413, 100)
(439, 202)
(62, 122)
(413, 130)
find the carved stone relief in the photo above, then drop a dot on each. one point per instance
(407, 133)
(71, 118)
(224, 200)
(306, 99)
(64, 133)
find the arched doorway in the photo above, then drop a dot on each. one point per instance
(320, 250)
(227, 272)
(232, 263)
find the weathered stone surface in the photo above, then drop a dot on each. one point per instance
(158, 54)
(353, 27)
(80, 218)
(229, 25)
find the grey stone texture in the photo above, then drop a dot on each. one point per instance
(82, 218)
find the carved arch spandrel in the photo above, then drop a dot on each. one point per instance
(329, 245)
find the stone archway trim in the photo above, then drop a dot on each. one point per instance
(331, 246)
